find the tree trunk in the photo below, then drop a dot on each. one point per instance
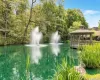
(27, 25)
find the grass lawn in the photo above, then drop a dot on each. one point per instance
(92, 77)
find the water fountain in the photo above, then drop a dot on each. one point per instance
(55, 38)
(36, 37)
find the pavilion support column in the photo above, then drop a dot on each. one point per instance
(71, 40)
(79, 40)
(90, 38)
(85, 41)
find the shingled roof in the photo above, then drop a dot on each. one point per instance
(82, 31)
(4, 30)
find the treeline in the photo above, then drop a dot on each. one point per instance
(48, 15)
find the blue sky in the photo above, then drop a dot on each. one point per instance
(90, 9)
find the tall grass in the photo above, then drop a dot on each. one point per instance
(65, 72)
(90, 55)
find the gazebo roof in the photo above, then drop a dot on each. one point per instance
(4, 30)
(82, 31)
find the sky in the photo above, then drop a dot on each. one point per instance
(90, 9)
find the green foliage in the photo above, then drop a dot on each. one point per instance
(65, 72)
(90, 55)
(67, 41)
(49, 16)
(91, 77)
(14, 16)
(75, 15)
(76, 25)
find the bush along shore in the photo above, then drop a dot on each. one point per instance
(90, 55)
(67, 72)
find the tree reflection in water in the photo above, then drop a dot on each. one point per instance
(18, 62)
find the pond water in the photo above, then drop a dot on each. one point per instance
(20, 62)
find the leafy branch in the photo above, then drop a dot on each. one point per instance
(27, 25)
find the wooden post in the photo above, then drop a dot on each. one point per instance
(71, 40)
(90, 38)
(79, 40)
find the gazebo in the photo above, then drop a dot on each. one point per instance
(4, 31)
(80, 37)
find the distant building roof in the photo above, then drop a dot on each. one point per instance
(94, 28)
(97, 33)
(82, 31)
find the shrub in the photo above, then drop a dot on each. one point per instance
(68, 41)
(90, 55)
(65, 72)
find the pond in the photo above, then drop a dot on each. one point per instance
(20, 62)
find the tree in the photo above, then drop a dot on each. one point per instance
(75, 15)
(6, 18)
(27, 25)
(76, 25)
(50, 18)
(50, 15)
(45, 17)
(13, 17)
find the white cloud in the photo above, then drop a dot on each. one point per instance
(92, 17)
(92, 20)
(90, 12)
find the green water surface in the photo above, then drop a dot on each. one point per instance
(20, 62)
